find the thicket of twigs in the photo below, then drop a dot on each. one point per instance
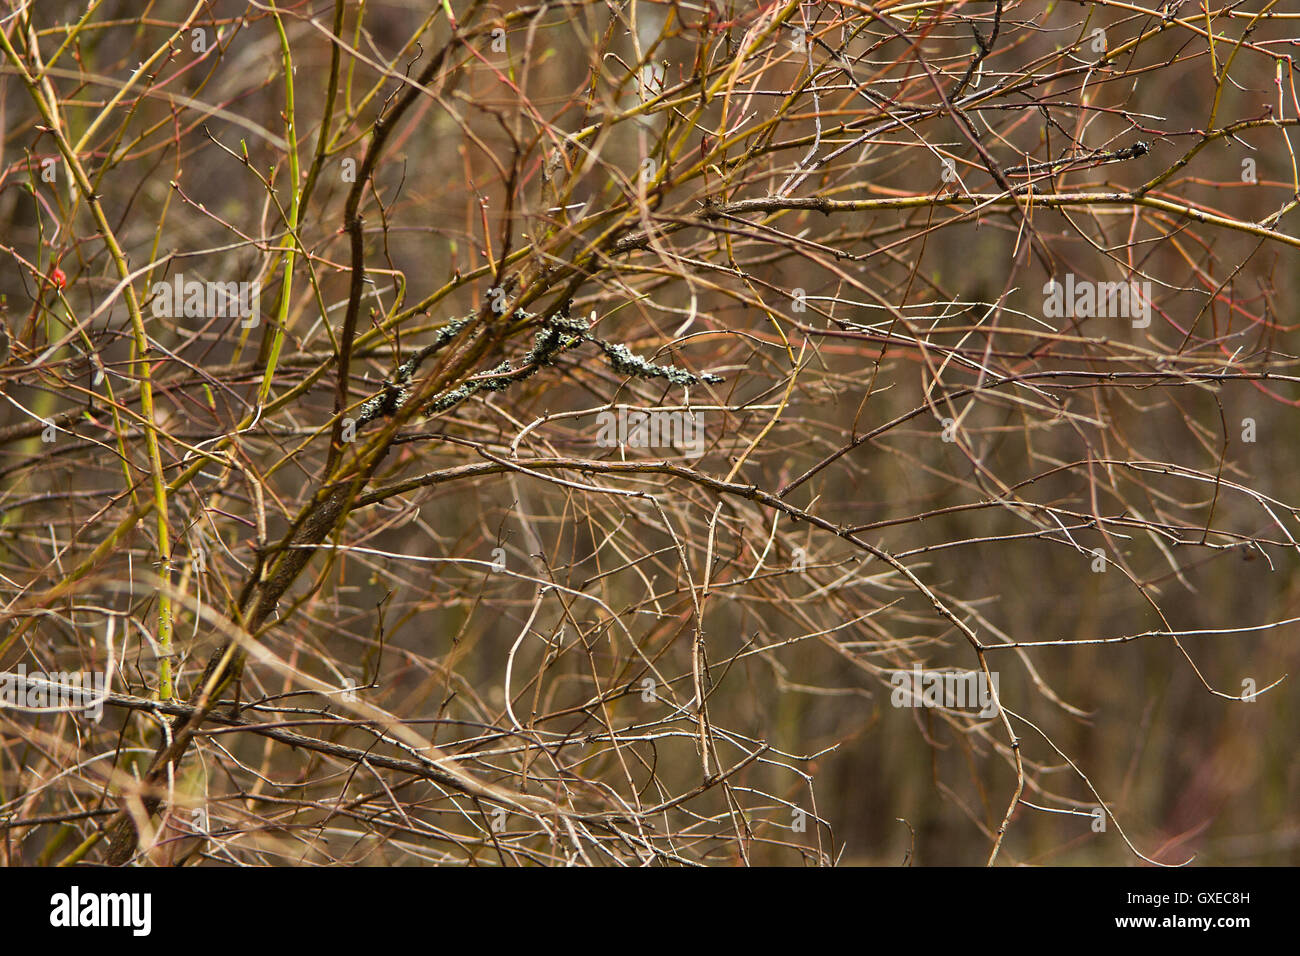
(386, 573)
